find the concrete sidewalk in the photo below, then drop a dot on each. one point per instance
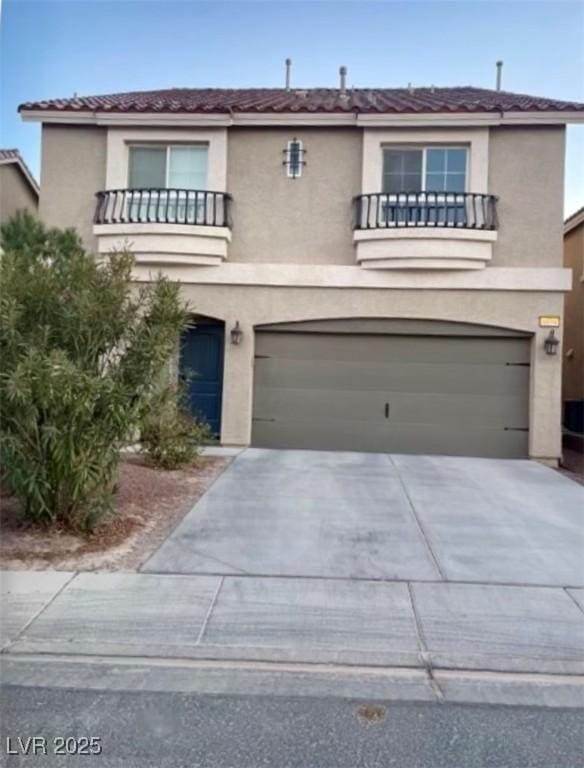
(427, 626)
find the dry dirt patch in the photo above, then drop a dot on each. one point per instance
(150, 502)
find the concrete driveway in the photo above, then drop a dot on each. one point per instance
(431, 565)
(383, 517)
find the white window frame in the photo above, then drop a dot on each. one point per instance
(198, 206)
(168, 147)
(289, 173)
(120, 138)
(424, 148)
(475, 138)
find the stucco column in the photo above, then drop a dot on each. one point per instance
(236, 410)
(545, 406)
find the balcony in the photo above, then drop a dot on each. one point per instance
(164, 226)
(424, 230)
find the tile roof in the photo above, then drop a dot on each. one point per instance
(309, 100)
(9, 154)
(14, 156)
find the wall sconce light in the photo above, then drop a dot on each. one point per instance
(551, 344)
(236, 334)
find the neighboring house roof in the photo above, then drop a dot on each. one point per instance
(9, 156)
(575, 220)
(465, 99)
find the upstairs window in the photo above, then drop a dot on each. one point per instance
(171, 167)
(427, 169)
(402, 170)
(170, 175)
(445, 170)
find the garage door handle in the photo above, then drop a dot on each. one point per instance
(387, 410)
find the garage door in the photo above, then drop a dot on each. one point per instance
(419, 389)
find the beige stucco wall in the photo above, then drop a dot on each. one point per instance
(15, 192)
(573, 384)
(304, 220)
(258, 305)
(73, 168)
(309, 220)
(526, 172)
(280, 221)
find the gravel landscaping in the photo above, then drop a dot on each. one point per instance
(150, 502)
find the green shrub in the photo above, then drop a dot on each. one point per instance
(80, 345)
(170, 436)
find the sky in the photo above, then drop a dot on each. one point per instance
(55, 48)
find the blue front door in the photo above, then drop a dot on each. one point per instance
(201, 360)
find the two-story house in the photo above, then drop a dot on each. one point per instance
(369, 269)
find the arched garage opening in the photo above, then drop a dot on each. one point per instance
(392, 385)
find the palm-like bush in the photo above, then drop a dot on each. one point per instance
(80, 346)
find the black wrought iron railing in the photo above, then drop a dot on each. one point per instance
(163, 206)
(466, 210)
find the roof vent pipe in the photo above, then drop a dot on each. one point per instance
(288, 68)
(343, 74)
(499, 74)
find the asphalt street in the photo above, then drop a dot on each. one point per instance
(139, 729)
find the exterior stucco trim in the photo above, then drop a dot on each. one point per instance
(370, 259)
(424, 248)
(425, 233)
(309, 119)
(477, 139)
(152, 228)
(120, 139)
(325, 276)
(166, 245)
(476, 119)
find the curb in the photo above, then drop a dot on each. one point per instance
(406, 684)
